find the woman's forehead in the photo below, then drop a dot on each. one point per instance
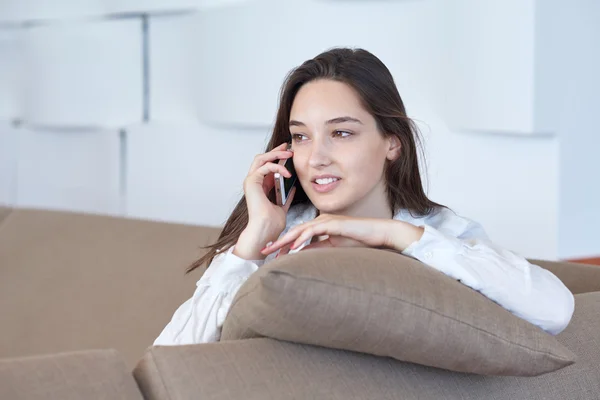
(324, 102)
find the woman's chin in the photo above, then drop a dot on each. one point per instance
(328, 207)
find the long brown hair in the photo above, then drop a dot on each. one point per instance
(374, 83)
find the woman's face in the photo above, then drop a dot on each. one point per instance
(335, 138)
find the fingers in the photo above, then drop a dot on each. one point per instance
(280, 243)
(284, 250)
(278, 153)
(258, 180)
(342, 231)
(307, 234)
(271, 168)
(259, 174)
(319, 245)
(296, 236)
(268, 183)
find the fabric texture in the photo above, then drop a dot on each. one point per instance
(382, 303)
(73, 282)
(264, 369)
(4, 212)
(454, 245)
(90, 375)
(579, 278)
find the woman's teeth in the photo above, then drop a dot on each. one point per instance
(326, 181)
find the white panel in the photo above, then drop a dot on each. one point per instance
(27, 10)
(173, 76)
(239, 56)
(489, 65)
(551, 67)
(579, 56)
(9, 67)
(187, 173)
(8, 164)
(69, 170)
(33, 10)
(150, 6)
(83, 74)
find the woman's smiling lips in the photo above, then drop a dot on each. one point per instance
(325, 183)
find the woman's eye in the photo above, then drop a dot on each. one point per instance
(342, 134)
(297, 137)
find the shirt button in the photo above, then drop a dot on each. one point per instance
(428, 255)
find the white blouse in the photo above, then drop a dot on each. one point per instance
(454, 245)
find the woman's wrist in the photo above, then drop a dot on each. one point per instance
(402, 234)
(251, 241)
(243, 251)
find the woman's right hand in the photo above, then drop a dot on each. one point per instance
(266, 220)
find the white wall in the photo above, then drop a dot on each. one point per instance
(479, 75)
(576, 59)
(490, 62)
(74, 170)
(186, 172)
(507, 183)
(8, 164)
(9, 62)
(81, 73)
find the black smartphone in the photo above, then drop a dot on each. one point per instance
(283, 185)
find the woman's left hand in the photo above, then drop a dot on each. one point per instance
(343, 231)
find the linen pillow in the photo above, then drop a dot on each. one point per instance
(383, 303)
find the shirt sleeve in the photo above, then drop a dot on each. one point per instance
(524, 289)
(200, 319)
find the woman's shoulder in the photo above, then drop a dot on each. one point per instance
(446, 221)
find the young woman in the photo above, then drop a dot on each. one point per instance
(355, 153)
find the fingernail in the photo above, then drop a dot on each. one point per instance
(266, 246)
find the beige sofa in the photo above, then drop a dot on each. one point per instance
(82, 298)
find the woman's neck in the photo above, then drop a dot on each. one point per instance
(384, 212)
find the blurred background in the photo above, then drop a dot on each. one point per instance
(155, 109)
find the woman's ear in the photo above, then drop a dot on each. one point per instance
(395, 148)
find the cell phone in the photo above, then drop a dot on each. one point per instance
(283, 185)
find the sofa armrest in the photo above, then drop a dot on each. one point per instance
(579, 278)
(149, 377)
(92, 374)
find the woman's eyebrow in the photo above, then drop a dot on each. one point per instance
(337, 120)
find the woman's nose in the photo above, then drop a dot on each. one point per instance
(319, 154)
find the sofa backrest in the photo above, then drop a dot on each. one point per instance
(75, 282)
(579, 278)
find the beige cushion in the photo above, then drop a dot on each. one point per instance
(265, 369)
(382, 303)
(73, 282)
(90, 375)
